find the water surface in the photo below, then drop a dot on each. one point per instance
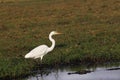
(79, 73)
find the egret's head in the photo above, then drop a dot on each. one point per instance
(55, 33)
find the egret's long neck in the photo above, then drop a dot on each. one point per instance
(53, 43)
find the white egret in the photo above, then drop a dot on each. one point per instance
(41, 50)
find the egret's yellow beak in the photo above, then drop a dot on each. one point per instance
(58, 33)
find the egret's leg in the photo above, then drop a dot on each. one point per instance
(41, 58)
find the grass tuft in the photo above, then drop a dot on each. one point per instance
(91, 33)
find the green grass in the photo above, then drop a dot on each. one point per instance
(91, 33)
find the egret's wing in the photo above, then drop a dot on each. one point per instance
(38, 51)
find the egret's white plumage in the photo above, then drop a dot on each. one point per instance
(41, 50)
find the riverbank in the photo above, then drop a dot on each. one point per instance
(91, 33)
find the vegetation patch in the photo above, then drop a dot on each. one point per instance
(91, 33)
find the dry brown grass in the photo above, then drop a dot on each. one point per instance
(4, 1)
(91, 31)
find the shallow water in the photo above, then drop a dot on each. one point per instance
(78, 73)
